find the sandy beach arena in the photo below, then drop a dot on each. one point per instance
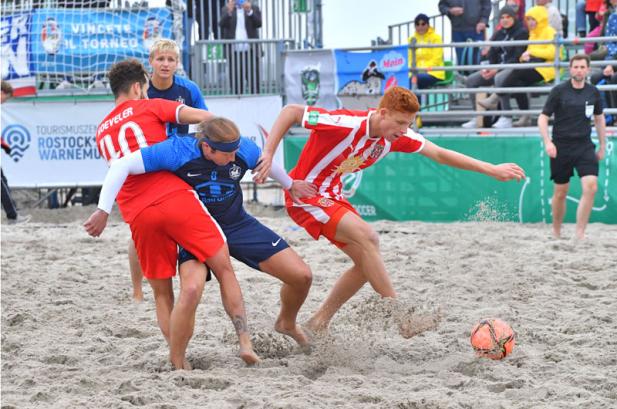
(73, 338)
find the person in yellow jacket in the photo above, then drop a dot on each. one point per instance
(539, 29)
(426, 57)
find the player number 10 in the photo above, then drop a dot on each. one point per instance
(106, 144)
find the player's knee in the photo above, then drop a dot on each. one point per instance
(372, 237)
(590, 188)
(305, 276)
(191, 293)
(560, 194)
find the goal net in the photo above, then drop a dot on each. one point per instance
(70, 45)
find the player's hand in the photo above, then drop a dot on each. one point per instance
(525, 57)
(600, 153)
(508, 171)
(480, 27)
(246, 6)
(262, 170)
(301, 189)
(96, 223)
(551, 150)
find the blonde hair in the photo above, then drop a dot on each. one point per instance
(165, 45)
(218, 129)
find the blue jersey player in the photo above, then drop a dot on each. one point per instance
(213, 165)
(166, 84)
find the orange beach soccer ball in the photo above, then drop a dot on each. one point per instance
(492, 338)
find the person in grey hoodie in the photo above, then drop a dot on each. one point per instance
(469, 19)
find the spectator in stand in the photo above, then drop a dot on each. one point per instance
(7, 201)
(519, 8)
(608, 75)
(554, 16)
(590, 8)
(240, 21)
(511, 29)
(596, 51)
(469, 19)
(539, 29)
(426, 57)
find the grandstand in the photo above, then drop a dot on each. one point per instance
(60, 50)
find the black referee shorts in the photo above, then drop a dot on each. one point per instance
(581, 157)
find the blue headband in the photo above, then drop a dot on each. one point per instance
(222, 146)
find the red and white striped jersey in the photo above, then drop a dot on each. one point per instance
(130, 126)
(339, 143)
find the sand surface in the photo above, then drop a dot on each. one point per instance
(73, 338)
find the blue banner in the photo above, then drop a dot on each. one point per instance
(371, 72)
(14, 32)
(78, 40)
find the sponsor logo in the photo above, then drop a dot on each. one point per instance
(192, 175)
(18, 138)
(235, 171)
(275, 243)
(310, 84)
(51, 36)
(180, 99)
(313, 118)
(325, 202)
(392, 62)
(152, 32)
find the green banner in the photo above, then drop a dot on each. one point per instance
(412, 187)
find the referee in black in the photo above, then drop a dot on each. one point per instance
(573, 102)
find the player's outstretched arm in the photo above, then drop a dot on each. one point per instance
(190, 115)
(290, 114)
(502, 172)
(118, 171)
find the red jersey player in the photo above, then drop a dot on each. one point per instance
(344, 142)
(151, 204)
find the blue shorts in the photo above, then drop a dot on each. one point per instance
(249, 241)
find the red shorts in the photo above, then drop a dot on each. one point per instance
(179, 218)
(319, 215)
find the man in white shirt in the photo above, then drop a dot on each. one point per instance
(240, 20)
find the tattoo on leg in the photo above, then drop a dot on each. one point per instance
(240, 324)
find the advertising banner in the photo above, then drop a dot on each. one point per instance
(17, 68)
(310, 79)
(371, 72)
(53, 144)
(412, 187)
(77, 40)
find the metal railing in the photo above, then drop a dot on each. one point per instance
(557, 64)
(229, 67)
(299, 20)
(399, 33)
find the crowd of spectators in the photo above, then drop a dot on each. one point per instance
(544, 21)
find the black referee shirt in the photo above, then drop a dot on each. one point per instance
(574, 109)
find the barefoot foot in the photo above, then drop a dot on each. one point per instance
(294, 331)
(249, 356)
